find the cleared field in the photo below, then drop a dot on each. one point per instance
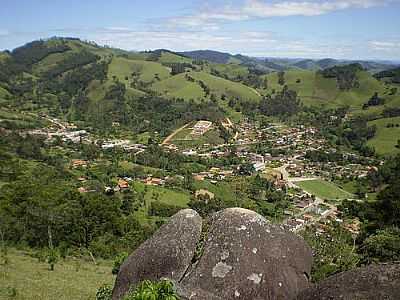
(165, 195)
(98, 90)
(28, 278)
(122, 68)
(323, 189)
(179, 87)
(385, 138)
(49, 62)
(221, 190)
(168, 57)
(314, 89)
(184, 139)
(230, 70)
(220, 86)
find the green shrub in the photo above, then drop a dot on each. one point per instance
(147, 290)
(104, 292)
(119, 259)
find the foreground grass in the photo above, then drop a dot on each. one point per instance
(323, 189)
(71, 279)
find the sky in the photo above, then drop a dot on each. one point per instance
(343, 29)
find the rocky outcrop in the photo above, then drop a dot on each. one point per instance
(246, 257)
(242, 256)
(369, 283)
(167, 254)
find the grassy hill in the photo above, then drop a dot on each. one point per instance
(170, 57)
(123, 68)
(314, 89)
(70, 67)
(220, 86)
(386, 138)
(24, 277)
(179, 87)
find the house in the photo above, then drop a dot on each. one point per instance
(154, 181)
(259, 166)
(82, 190)
(123, 184)
(199, 177)
(201, 127)
(76, 163)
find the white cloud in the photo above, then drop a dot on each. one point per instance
(253, 43)
(4, 32)
(253, 9)
(388, 46)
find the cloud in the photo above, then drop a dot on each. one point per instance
(388, 46)
(258, 43)
(256, 9)
(4, 32)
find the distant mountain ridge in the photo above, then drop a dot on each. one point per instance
(281, 64)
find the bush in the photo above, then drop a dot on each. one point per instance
(119, 259)
(104, 292)
(162, 290)
(383, 246)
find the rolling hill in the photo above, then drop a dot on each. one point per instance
(75, 79)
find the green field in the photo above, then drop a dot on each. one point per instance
(185, 139)
(167, 196)
(323, 189)
(168, 57)
(314, 89)
(231, 70)
(72, 278)
(220, 86)
(385, 138)
(177, 86)
(122, 68)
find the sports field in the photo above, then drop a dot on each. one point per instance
(324, 189)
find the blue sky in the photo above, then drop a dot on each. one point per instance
(353, 29)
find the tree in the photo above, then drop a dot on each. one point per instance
(383, 246)
(334, 251)
(281, 78)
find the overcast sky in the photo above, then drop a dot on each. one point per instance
(353, 29)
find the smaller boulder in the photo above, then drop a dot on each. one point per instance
(167, 254)
(368, 283)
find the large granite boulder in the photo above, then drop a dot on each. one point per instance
(167, 254)
(369, 283)
(246, 257)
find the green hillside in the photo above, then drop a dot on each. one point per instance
(220, 86)
(386, 138)
(123, 68)
(73, 278)
(169, 57)
(179, 87)
(57, 75)
(230, 71)
(314, 89)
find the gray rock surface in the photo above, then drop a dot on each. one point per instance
(246, 257)
(374, 282)
(186, 293)
(167, 253)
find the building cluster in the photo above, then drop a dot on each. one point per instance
(201, 127)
